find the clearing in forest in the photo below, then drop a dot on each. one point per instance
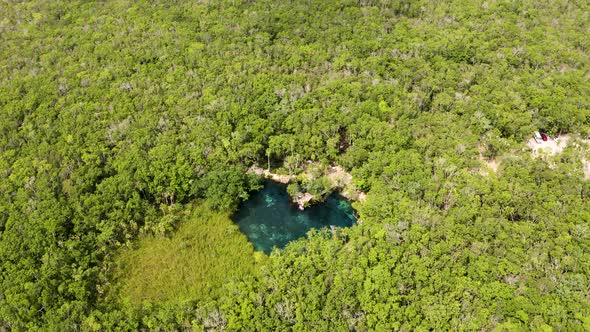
(556, 146)
(550, 147)
(197, 259)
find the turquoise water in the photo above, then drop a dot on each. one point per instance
(269, 219)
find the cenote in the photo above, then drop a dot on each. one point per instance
(269, 219)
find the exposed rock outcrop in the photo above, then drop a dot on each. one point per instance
(338, 177)
(269, 175)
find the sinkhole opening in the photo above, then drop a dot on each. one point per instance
(269, 219)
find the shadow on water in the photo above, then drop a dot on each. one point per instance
(269, 219)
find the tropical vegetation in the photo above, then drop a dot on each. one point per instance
(127, 129)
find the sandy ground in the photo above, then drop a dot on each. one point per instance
(586, 164)
(539, 149)
(267, 174)
(550, 146)
(342, 179)
(553, 147)
(491, 163)
(339, 176)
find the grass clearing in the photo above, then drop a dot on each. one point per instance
(194, 262)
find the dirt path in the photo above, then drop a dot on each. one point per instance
(586, 164)
(269, 175)
(491, 163)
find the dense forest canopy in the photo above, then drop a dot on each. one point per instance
(118, 117)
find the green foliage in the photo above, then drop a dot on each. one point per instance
(293, 189)
(206, 251)
(318, 187)
(116, 115)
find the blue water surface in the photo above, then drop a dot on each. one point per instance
(269, 219)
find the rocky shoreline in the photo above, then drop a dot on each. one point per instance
(338, 177)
